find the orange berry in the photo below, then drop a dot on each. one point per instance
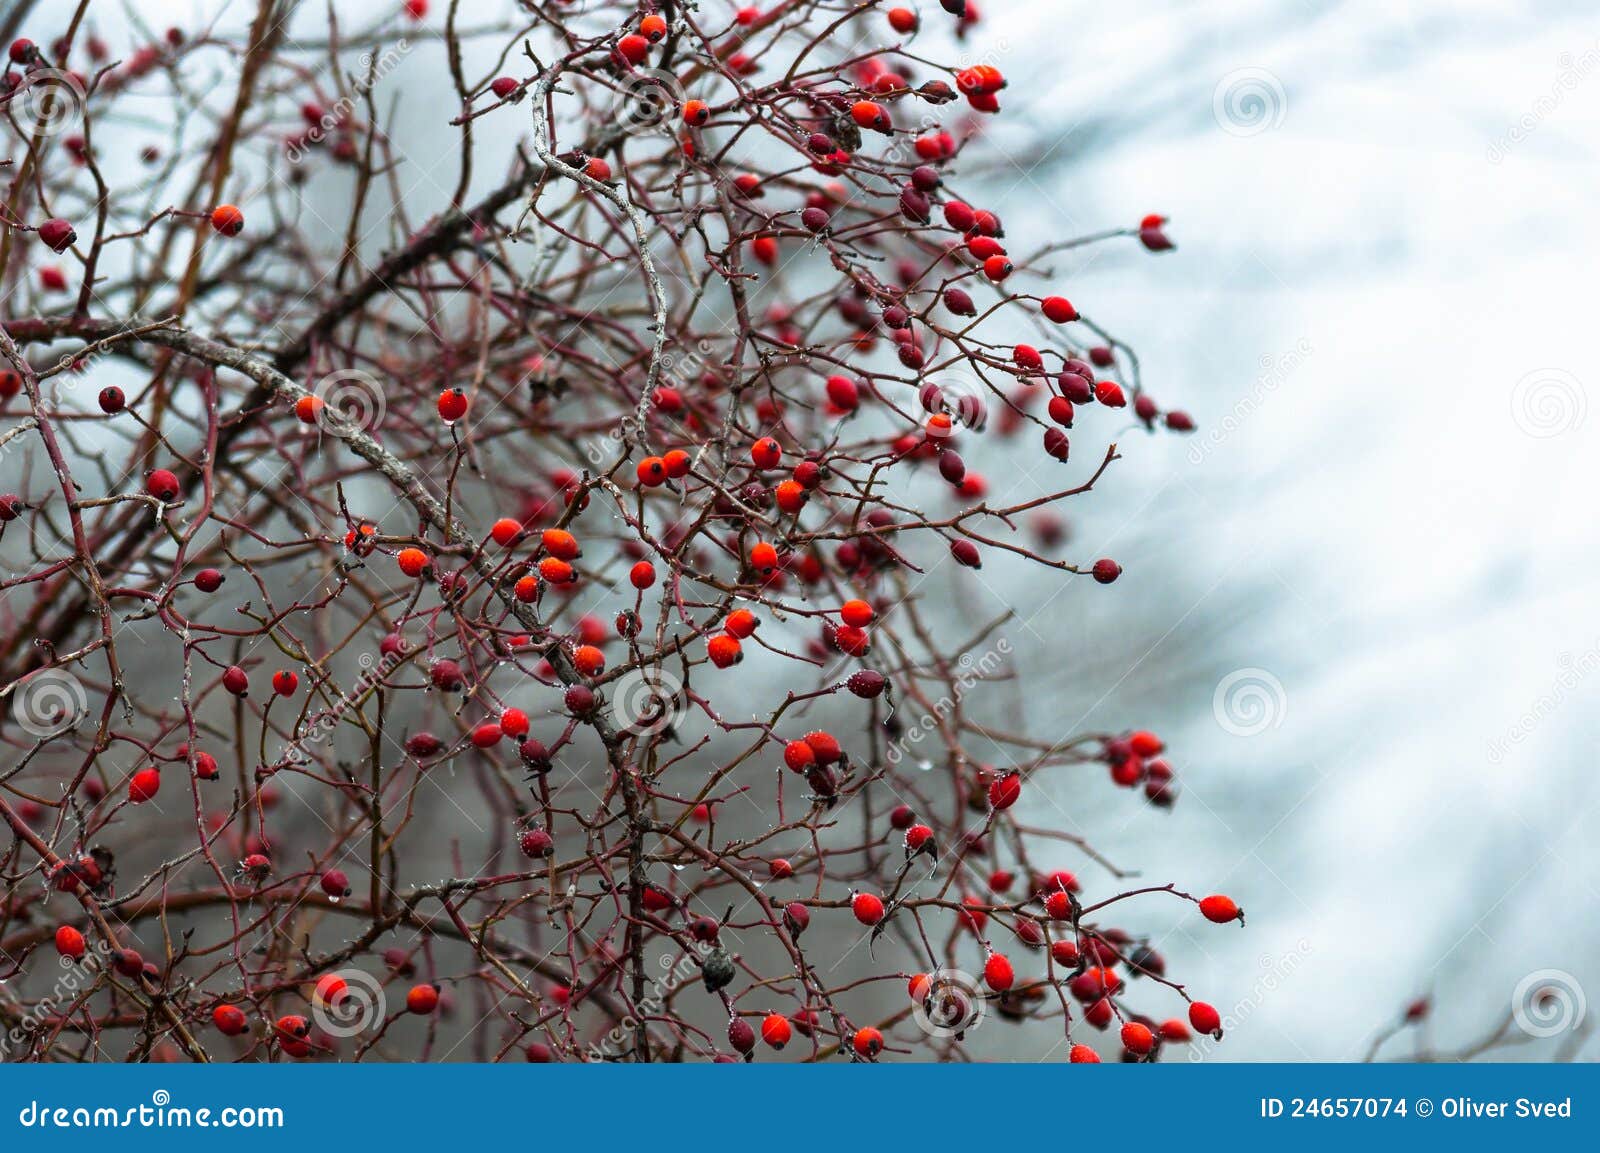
(227, 219)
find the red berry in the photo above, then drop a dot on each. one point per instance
(560, 544)
(1106, 570)
(642, 575)
(1137, 1038)
(227, 219)
(997, 973)
(1205, 1019)
(966, 553)
(696, 113)
(653, 27)
(633, 48)
(236, 680)
(514, 723)
(1059, 309)
(1221, 909)
(1174, 1030)
(741, 623)
(997, 268)
(335, 884)
(1004, 792)
(858, 614)
(229, 1020)
(422, 1000)
(724, 650)
(903, 20)
(1110, 394)
(766, 453)
(413, 562)
(144, 785)
(284, 683)
(799, 756)
(452, 405)
(506, 532)
(867, 1042)
(208, 580)
(536, 844)
(70, 943)
(825, 746)
(775, 1030)
(163, 485)
(57, 234)
(1083, 1055)
(868, 909)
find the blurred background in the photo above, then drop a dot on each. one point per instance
(1354, 602)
